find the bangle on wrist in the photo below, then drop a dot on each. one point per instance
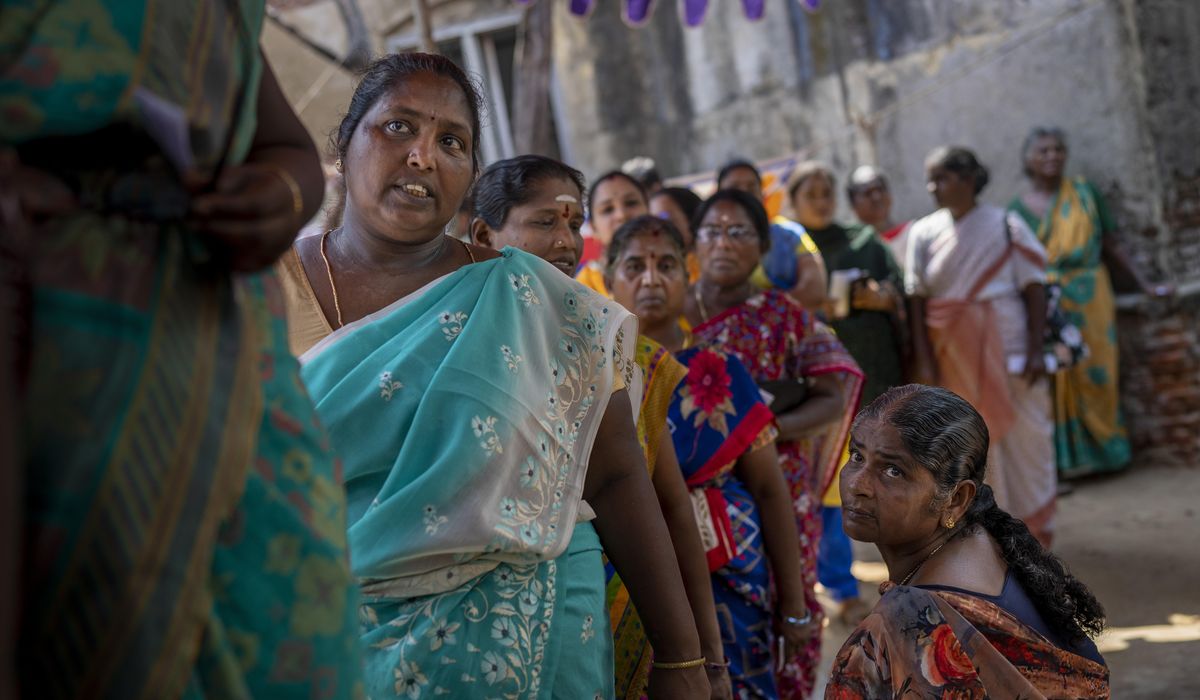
(678, 665)
(292, 185)
(797, 621)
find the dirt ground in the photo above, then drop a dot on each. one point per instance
(1134, 538)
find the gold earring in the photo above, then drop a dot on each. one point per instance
(337, 165)
(949, 523)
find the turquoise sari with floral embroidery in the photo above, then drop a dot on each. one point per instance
(465, 413)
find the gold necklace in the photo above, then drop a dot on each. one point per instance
(337, 308)
(922, 562)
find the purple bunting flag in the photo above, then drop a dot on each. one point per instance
(754, 8)
(637, 12)
(693, 12)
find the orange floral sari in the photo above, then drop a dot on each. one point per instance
(943, 644)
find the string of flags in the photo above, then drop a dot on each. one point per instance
(637, 12)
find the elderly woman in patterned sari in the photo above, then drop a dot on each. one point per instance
(533, 203)
(724, 437)
(1073, 222)
(182, 516)
(814, 380)
(484, 405)
(973, 607)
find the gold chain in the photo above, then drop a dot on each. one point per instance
(337, 308)
(922, 562)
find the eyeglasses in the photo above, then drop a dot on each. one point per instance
(736, 233)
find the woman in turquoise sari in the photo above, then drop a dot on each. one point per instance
(483, 406)
(181, 516)
(724, 438)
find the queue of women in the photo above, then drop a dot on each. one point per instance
(483, 478)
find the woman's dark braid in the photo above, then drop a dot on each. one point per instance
(1064, 602)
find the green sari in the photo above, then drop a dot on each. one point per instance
(183, 520)
(1089, 428)
(466, 413)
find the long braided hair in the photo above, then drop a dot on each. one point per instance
(947, 436)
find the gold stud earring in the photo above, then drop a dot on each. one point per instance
(949, 523)
(337, 165)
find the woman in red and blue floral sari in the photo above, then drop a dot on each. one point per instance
(814, 381)
(724, 438)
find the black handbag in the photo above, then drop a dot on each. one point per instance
(785, 394)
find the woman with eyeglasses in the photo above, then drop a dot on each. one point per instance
(813, 381)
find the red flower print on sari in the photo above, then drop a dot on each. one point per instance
(705, 392)
(944, 662)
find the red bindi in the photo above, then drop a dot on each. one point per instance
(566, 211)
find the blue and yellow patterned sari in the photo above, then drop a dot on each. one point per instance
(466, 413)
(717, 416)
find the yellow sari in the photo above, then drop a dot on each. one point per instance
(662, 373)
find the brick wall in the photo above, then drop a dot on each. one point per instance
(1160, 367)
(1161, 346)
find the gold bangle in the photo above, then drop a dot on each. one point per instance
(292, 185)
(666, 666)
